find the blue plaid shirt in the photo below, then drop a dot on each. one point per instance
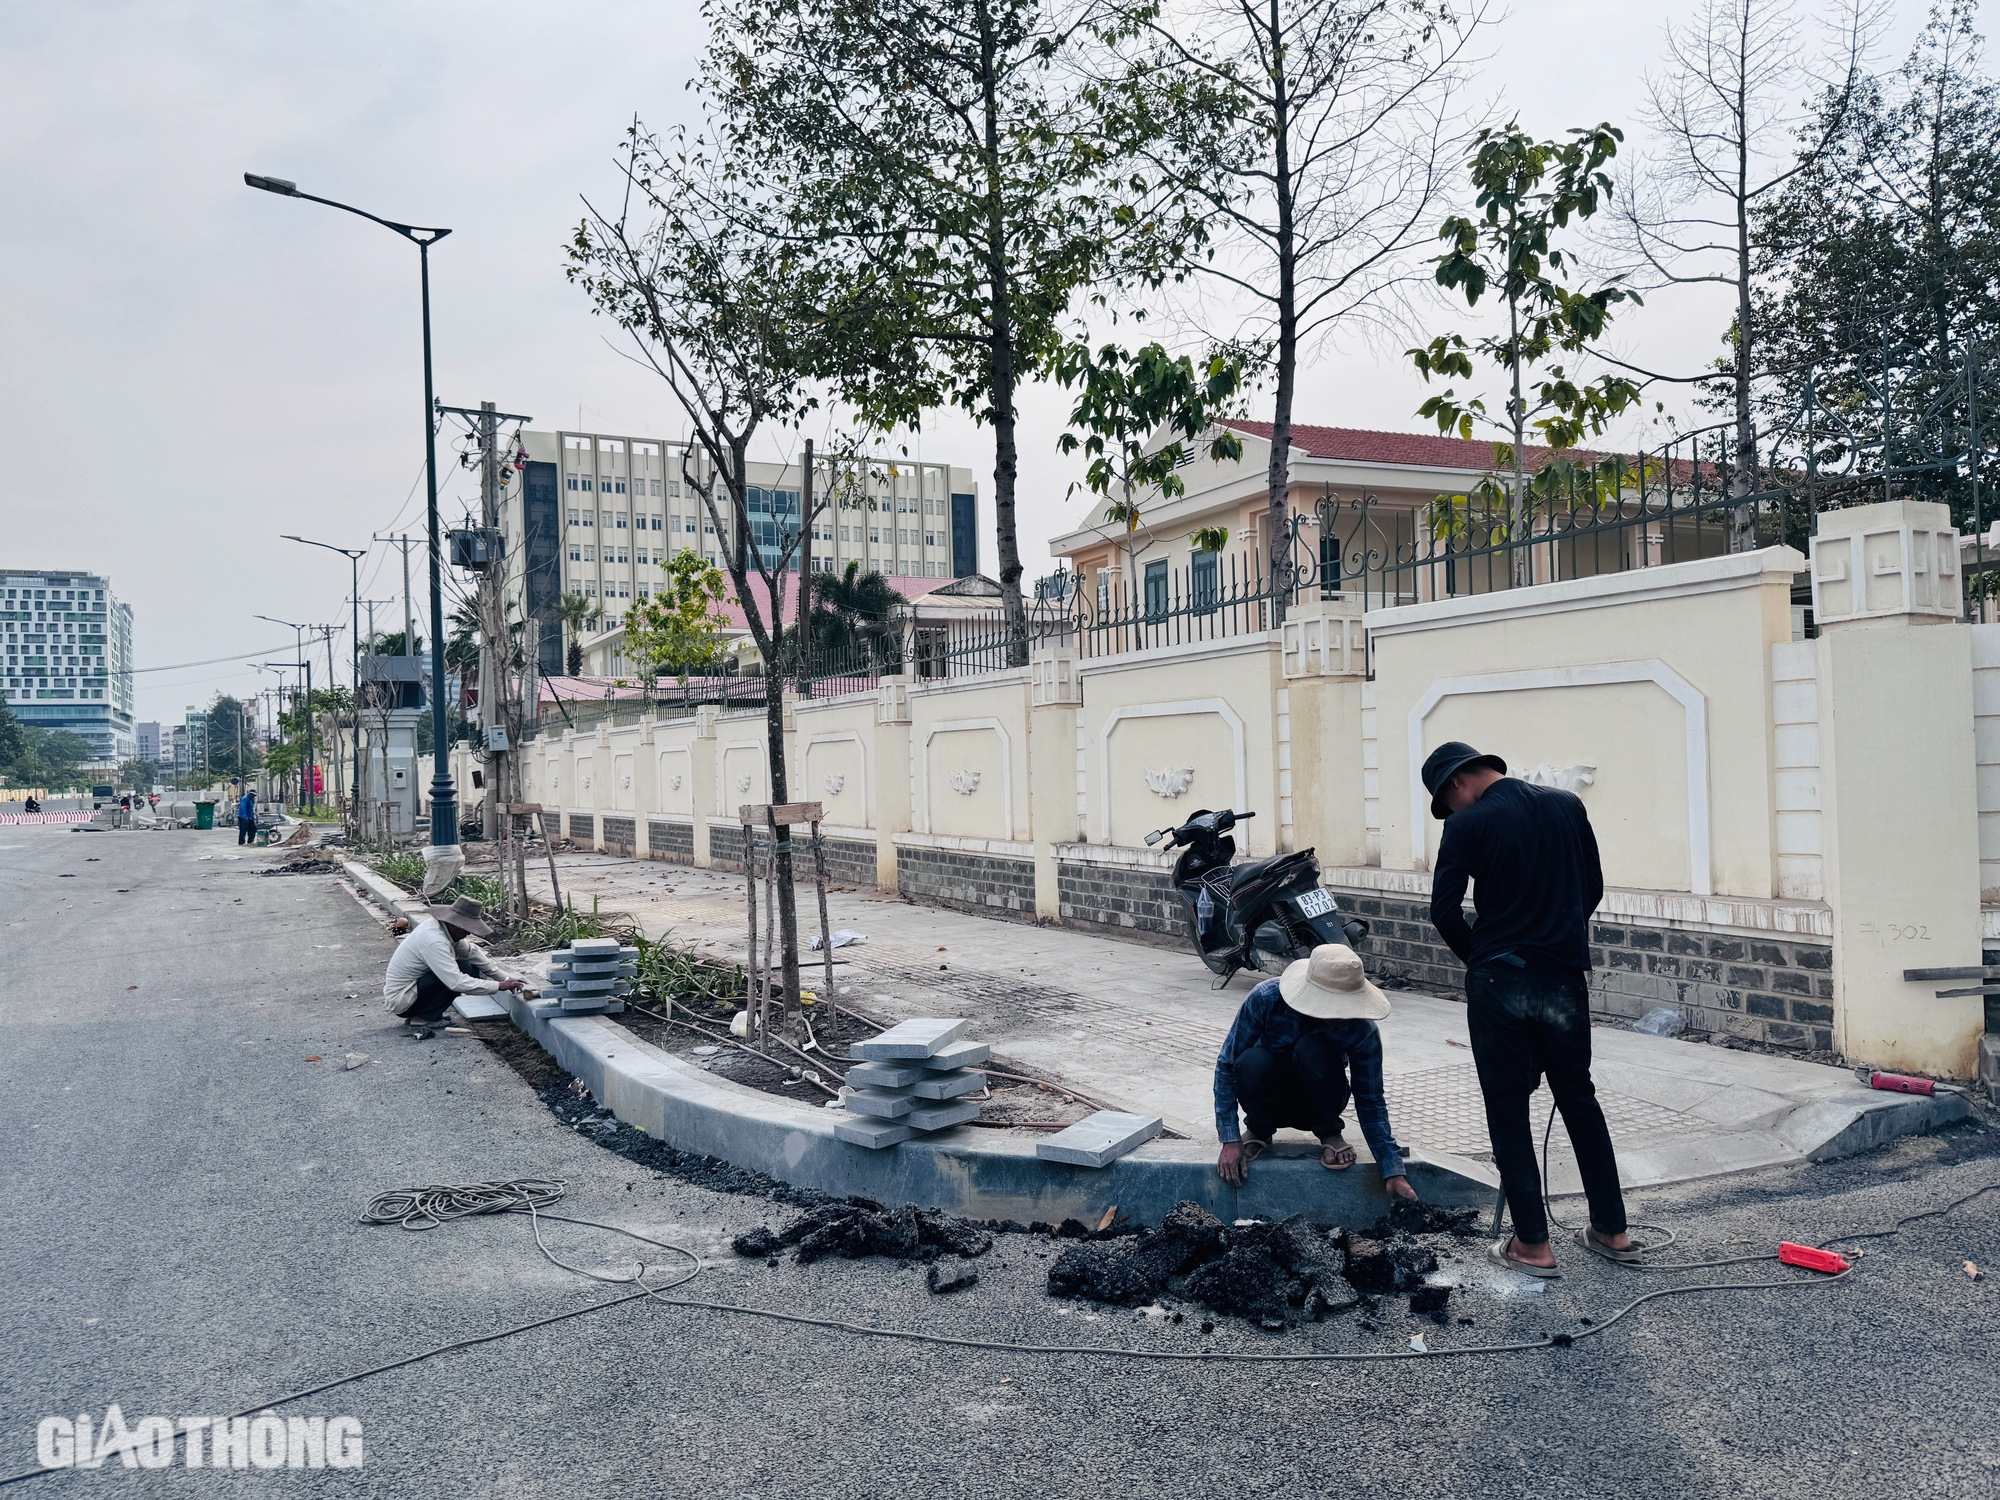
(1266, 1021)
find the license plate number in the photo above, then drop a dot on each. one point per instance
(1315, 903)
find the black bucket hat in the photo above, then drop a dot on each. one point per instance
(1446, 762)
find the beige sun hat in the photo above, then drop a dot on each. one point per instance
(1331, 985)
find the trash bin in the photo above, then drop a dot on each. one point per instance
(204, 815)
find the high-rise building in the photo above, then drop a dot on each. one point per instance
(595, 513)
(68, 644)
(147, 738)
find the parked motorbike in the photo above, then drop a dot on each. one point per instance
(1262, 914)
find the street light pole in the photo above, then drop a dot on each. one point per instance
(444, 796)
(354, 626)
(306, 797)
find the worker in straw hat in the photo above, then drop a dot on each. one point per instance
(439, 961)
(1302, 1046)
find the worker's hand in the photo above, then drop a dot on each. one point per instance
(1231, 1165)
(510, 984)
(1399, 1187)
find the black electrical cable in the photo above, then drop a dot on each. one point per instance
(426, 1208)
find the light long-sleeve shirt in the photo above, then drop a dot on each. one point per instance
(1266, 1021)
(428, 949)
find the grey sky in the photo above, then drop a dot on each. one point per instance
(191, 368)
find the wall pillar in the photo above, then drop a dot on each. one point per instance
(1897, 788)
(891, 785)
(701, 774)
(1055, 698)
(1323, 654)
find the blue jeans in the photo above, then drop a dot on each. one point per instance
(1527, 1023)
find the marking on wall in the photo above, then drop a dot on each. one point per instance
(965, 783)
(722, 765)
(835, 783)
(1694, 714)
(1186, 707)
(954, 726)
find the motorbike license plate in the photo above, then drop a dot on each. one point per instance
(1315, 903)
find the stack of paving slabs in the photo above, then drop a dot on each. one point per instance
(913, 1078)
(591, 976)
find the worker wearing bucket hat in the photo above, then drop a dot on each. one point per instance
(1531, 859)
(1302, 1046)
(438, 962)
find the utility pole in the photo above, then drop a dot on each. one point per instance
(409, 618)
(493, 638)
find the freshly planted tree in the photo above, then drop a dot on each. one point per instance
(1528, 191)
(1127, 400)
(679, 628)
(693, 266)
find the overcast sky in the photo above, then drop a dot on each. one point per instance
(191, 368)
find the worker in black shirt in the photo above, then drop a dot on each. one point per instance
(1536, 880)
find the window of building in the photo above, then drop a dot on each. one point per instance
(623, 556)
(1156, 590)
(586, 481)
(590, 554)
(874, 535)
(604, 519)
(572, 485)
(590, 518)
(624, 591)
(575, 552)
(644, 592)
(673, 489)
(572, 515)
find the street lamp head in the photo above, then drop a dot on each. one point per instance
(279, 185)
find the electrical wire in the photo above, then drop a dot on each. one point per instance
(425, 1208)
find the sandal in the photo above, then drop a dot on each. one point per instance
(1336, 1155)
(1497, 1253)
(1253, 1148)
(1631, 1256)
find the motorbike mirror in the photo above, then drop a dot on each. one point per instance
(1155, 836)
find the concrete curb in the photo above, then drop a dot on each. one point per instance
(984, 1174)
(391, 898)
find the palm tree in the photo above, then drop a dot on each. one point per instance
(576, 610)
(854, 612)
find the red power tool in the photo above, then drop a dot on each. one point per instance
(1900, 1083)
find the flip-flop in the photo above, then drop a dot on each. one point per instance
(1628, 1257)
(1497, 1253)
(1253, 1148)
(1331, 1147)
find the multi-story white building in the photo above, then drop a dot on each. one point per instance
(148, 739)
(68, 647)
(596, 513)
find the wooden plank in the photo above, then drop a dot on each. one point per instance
(1919, 976)
(772, 815)
(526, 809)
(1977, 989)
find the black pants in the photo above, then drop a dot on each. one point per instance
(246, 831)
(1304, 1087)
(1527, 1023)
(434, 998)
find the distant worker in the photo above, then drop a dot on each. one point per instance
(1302, 1046)
(429, 968)
(246, 817)
(1532, 860)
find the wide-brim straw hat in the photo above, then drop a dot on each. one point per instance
(1330, 985)
(465, 914)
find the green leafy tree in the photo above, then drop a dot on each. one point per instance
(679, 629)
(1882, 265)
(50, 758)
(1527, 192)
(10, 737)
(1125, 401)
(947, 158)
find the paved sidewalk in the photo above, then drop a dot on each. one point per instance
(1139, 1026)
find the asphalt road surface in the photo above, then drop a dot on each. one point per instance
(185, 1156)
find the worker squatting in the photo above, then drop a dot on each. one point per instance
(265, 1441)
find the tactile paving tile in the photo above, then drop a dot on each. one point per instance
(1442, 1108)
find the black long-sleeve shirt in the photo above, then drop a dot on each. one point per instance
(1532, 859)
